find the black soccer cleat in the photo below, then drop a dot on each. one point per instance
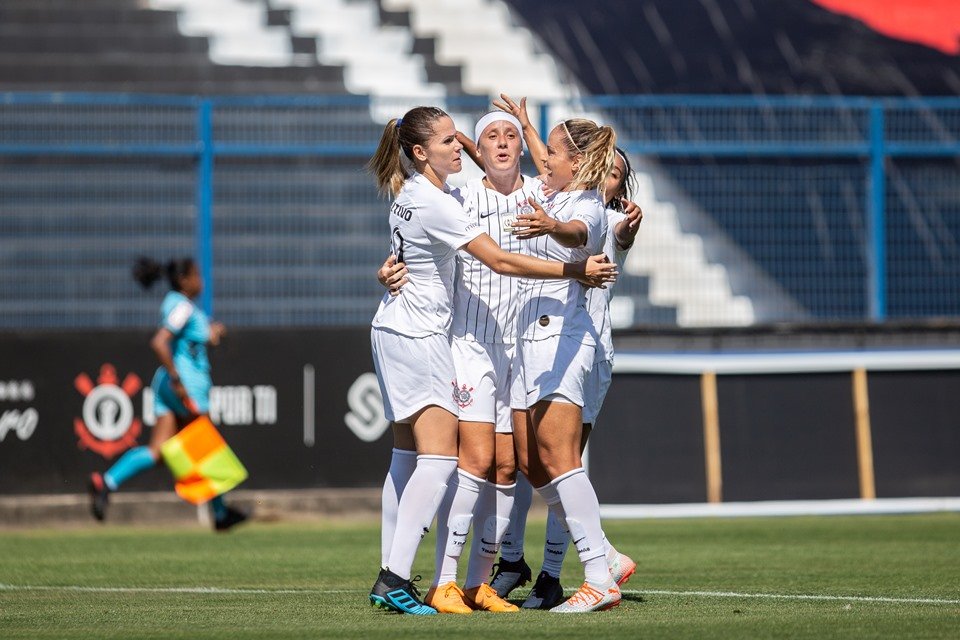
(99, 496)
(393, 593)
(546, 593)
(232, 518)
(509, 575)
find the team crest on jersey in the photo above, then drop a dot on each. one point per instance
(108, 426)
(462, 395)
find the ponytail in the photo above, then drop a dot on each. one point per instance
(385, 165)
(147, 271)
(401, 134)
(597, 145)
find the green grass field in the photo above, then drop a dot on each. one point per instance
(836, 577)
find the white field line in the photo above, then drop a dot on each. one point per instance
(640, 592)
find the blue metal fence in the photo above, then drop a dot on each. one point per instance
(849, 207)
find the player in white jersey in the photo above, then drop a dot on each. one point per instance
(557, 347)
(623, 217)
(410, 333)
(483, 339)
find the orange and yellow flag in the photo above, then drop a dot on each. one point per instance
(202, 464)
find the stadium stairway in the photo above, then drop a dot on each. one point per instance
(292, 46)
(124, 46)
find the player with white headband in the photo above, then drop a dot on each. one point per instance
(483, 339)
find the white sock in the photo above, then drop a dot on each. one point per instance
(402, 464)
(511, 548)
(418, 504)
(582, 510)
(453, 523)
(492, 515)
(558, 518)
(556, 542)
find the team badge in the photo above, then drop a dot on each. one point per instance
(462, 395)
(108, 426)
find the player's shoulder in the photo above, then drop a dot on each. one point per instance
(532, 184)
(588, 197)
(174, 299)
(420, 194)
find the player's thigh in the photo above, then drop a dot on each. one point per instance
(558, 427)
(435, 431)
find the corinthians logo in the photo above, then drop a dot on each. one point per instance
(462, 395)
(108, 426)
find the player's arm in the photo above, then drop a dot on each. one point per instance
(594, 271)
(570, 234)
(538, 150)
(160, 344)
(471, 149)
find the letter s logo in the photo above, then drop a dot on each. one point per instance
(366, 418)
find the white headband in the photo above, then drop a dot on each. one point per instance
(495, 116)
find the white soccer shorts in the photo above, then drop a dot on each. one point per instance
(555, 366)
(414, 373)
(595, 390)
(483, 382)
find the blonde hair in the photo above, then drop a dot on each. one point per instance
(597, 145)
(401, 134)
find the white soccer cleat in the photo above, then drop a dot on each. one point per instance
(621, 568)
(588, 598)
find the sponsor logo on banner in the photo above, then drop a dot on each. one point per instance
(366, 419)
(22, 422)
(230, 406)
(108, 426)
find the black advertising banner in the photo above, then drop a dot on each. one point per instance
(300, 408)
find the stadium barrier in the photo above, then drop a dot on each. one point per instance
(302, 409)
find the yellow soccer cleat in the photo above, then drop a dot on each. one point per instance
(448, 598)
(484, 598)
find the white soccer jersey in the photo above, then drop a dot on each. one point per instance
(558, 306)
(485, 303)
(598, 300)
(427, 227)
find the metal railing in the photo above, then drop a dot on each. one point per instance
(850, 207)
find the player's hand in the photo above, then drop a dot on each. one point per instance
(217, 331)
(518, 111)
(598, 271)
(547, 191)
(626, 231)
(533, 225)
(393, 275)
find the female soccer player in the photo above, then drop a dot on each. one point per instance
(410, 331)
(181, 385)
(623, 218)
(557, 347)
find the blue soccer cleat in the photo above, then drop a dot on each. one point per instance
(394, 593)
